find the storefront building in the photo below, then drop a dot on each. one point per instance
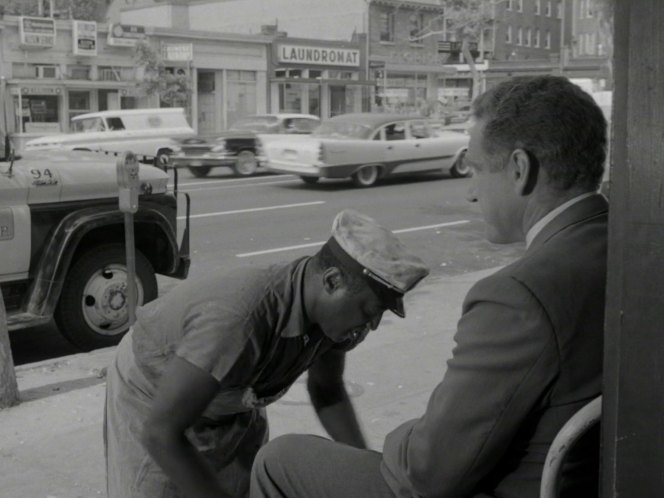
(324, 78)
(53, 70)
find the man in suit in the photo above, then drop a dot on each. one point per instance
(529, 342)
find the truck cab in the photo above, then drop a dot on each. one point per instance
(62, 248)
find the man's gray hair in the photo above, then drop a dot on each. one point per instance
(557, 123)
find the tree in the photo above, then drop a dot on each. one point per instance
(467, 21)
(8, 386)
(172, 87)
(84, 10)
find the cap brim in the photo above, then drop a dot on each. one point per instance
(394, 303)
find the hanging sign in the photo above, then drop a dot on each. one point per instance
(125, 35)
(84, 36)
(177, 51)
(36, 32)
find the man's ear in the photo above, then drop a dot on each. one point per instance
(524, 169)
(332, 279)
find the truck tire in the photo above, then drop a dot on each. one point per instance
(92, 311)
(200, 171)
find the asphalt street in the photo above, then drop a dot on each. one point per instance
(269, 218)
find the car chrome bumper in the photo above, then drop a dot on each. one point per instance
(194, 161)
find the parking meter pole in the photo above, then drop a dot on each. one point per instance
(130, 248)
(128, 183)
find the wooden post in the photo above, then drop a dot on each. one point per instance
(633, 410)
(8, 386)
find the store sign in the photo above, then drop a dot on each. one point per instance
(34, 90)
(177, 51)
(413, 57)
(36, 32)
(324, 56)
(84, 36)
(125, 35)
(395, 93)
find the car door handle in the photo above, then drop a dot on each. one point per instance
(417, 145)
(389, 147)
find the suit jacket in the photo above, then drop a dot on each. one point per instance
(528, 355)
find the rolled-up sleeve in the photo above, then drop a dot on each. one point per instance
(505, 359)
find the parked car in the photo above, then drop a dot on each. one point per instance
(151, 134)
(237, 147)
(368, 147)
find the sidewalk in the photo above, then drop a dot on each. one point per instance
(51, 444)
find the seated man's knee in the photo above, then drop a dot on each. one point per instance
(281, 448)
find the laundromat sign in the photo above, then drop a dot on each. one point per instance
(324, 56)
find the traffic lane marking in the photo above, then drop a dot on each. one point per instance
(313, 244)
(252, 210)
(269, 181)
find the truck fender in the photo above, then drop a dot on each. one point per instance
(54, 263)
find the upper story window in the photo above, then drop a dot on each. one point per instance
(547, 41)
(508, 34)
(527, 40)
(538, 7)
(582, 9)
(416, 26)
(519, 36)
(536, 42)
(386, 19)
(508, 5)
(519, 5)
(547, 12)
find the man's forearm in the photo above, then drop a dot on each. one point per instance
(185, 466)
(339, 420)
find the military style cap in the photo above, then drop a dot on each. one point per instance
(376, 253)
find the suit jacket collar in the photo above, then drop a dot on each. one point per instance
(581, 211)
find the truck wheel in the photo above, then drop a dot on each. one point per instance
(246, 164)
(92, 311)
(200, 171)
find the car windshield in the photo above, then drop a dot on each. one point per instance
(255, 123)
(343, 129)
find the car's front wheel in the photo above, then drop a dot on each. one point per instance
(93, 308)
(366, 176)
(200, 171)
(246, 164)
(309, 180)
(460, 169)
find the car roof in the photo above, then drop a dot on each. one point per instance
(375, 119)
(125, 112)
(283, 115)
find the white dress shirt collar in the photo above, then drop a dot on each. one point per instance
(537, 227)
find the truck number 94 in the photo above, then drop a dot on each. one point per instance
(43, 177)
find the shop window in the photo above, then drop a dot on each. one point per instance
(315, 75)
(37, 114)
(386, 19)
(240, 94)
(79, 103)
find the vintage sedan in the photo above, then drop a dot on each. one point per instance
(367, 147)
(236, 148)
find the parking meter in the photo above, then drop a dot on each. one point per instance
(127, 170)
(128, 183)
